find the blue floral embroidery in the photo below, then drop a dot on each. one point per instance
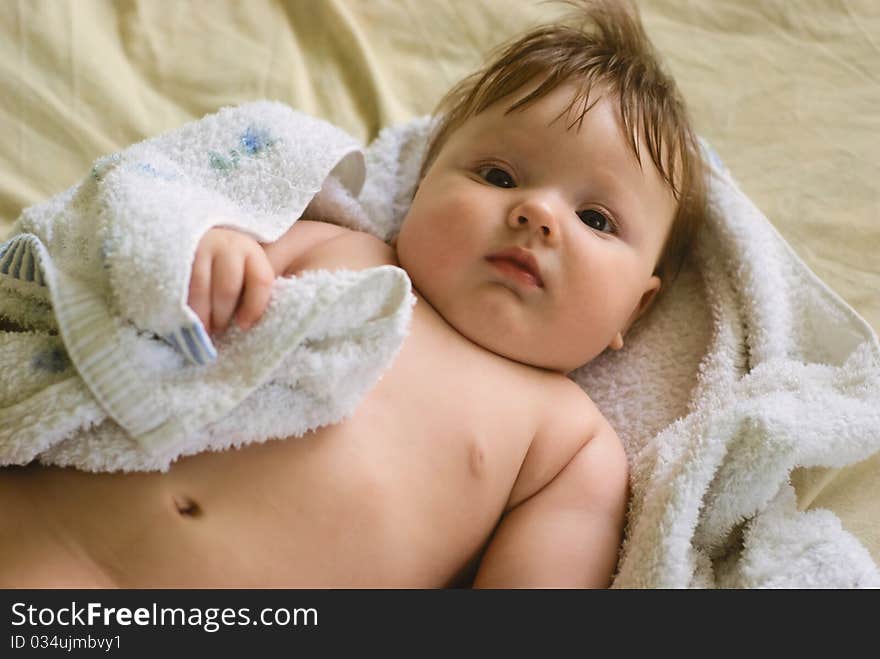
(148, 169)
(254, 140)
(224, 163)
(253, 143)
(219, 162)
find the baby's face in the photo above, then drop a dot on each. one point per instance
(536, 241)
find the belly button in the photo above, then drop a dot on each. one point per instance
(186, 507)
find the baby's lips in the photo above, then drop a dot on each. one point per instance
(521, 258)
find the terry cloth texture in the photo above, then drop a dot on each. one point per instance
(748, 367)
(116, 372)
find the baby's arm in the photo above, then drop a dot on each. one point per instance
(569, 532)
(297, 241)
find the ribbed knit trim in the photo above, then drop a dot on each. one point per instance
(193, 343)
(93, 340)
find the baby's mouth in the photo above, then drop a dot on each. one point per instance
(519, 264)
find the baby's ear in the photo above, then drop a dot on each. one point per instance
(644, 304)
(651, 290)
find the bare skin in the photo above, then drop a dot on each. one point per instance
(532, 247)
(406, 493)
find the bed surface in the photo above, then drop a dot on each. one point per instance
(786, 93)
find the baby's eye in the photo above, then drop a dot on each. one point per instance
(497, 177)
(596, 220)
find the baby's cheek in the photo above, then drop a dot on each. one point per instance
(429, 269)
(583, 326)
(443, 241)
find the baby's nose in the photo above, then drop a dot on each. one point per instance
(536, 215)
(522, 220)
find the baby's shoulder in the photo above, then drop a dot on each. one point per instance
(570, 420)
(567, 405)
(332, 246)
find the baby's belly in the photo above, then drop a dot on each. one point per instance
(358, 504)
(405, 493)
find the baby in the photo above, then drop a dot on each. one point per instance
(558, 194)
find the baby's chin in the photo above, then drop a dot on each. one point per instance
(492, 320)
(497, 338)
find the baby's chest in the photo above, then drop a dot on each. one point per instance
(455, 404)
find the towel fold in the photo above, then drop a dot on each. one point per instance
(322, 344)
(132, 378)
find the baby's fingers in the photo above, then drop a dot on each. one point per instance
(259, 277)
(227, 274)
(200, 290)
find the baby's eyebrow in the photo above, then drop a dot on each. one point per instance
(606, 184)
(617, 196)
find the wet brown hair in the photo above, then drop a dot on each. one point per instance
(601, 43)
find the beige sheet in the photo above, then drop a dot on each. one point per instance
(787, 93)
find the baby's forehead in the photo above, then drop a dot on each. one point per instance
(649, 135)
(566, 104)
(520, 119)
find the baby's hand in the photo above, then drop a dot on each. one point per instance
(231, 275)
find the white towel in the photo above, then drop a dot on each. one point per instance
(748, 367)
(131, 382)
